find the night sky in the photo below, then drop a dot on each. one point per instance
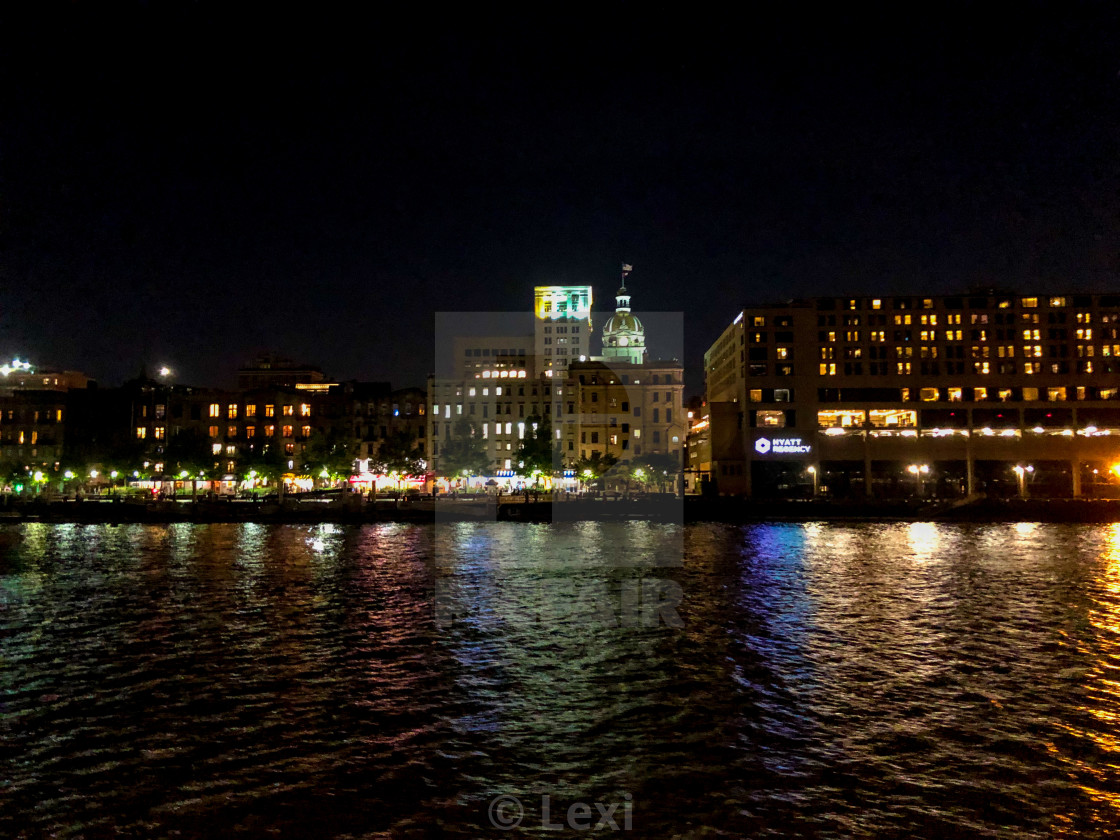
(181, 186)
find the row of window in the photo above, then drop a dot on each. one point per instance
(160, 432)
(973, 302)
(250, 409)
(51, 415)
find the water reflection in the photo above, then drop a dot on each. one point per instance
(861, 680)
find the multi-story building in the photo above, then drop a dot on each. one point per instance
(623, 404)
(563, 326)
(954, 395)
(623, 409)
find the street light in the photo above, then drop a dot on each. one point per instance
(918, 470)
(813, 472)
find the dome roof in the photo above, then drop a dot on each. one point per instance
(622, 322)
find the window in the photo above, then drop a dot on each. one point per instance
(287, 431)
(250, 431)
(1056, 394)
(231, 411)
(305, 431)
(231, 432)
(159, 433)
(270, 431)
(956, 394)
(304, 410)
(141, 433)
(1029, 302)
(288, 410)
(770, 419)
(250, 411)
(270, 411)
(215, 410)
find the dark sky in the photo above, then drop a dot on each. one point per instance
(178, 185)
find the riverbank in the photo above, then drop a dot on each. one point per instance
(355, 510)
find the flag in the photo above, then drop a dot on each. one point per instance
(627, 268)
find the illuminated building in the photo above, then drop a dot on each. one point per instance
(620, 403)
(623, 409)
(968, 386)
(624, 337)
(563, 325)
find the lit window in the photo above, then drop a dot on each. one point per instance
(270, 431)
(270, 411)
(771, 419)
(141, 433)
(231, 450)
(213, 431)
(1030, 394)
(1056, 394)
(1029, 303)
(755, 395)
(1057, 301)
(956, 394)
(288, 410)
(250, 431)
(305, 431)
(216, 448)
(929, 395)
(158, 430)
(979, 394)
(232, 411)
(250, 411)
(231, 432)
(215, 410)
(304, 410)
(876, 304)
(286, 431)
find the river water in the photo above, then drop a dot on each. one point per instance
(870, 680)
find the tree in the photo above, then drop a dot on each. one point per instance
(594, 468)
(399, 454)
(535, 453)
(656, 470)
(190, 453)
(267, 461)
(464, 453)
(330, 453)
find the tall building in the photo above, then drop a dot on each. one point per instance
(953, 395)
(563, 326)
(622, 403)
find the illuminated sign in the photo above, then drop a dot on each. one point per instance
(782, 446)
(569, 302)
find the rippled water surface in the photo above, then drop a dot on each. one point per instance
(392, 680)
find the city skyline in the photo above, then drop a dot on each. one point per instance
(325, 201)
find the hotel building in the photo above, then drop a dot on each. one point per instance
(986, 392)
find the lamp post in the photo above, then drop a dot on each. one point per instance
(918, 470)
(1021, 473)
(813, 472)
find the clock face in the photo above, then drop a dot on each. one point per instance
(622, 342)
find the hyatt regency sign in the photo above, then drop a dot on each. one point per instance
(782, 446)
